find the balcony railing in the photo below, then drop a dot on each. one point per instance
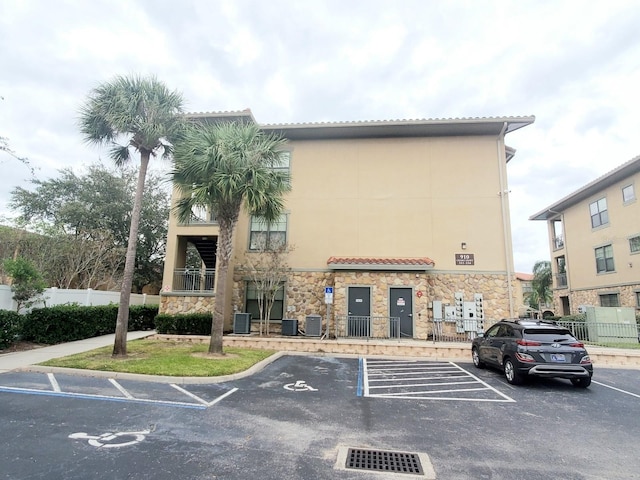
(193, 280)
(561, 280)
(201, 217)
(558, 242)
(617, 334)
(367, 327)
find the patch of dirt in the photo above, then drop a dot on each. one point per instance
(21, 347)
(214, 356)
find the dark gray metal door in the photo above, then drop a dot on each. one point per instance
(359, 320)
(401, 306)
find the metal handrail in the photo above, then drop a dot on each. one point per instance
(358, 326)
(193, 280)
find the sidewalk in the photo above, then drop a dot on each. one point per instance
(14, 360)
(601, 356)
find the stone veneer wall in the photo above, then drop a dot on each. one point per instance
(305, 295)
(626, 294)
(179, 304)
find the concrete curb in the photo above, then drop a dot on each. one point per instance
(343, 348)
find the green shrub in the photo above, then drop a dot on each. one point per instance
(580, 317)
(185, 324)
(141, 317)
(66, 323)
(9, 327)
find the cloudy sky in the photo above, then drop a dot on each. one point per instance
(575, 65)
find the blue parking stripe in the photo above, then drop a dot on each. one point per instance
(360, 374)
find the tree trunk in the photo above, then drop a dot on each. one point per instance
(223, 253)
(122, 323)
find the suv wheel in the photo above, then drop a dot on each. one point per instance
(511, 374)
(476, 358)
(581, 382)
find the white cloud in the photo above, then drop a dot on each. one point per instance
(575, 68)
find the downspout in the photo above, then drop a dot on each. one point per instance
(503, 206)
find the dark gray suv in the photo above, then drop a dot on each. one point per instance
(523, 348)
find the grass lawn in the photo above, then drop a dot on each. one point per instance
(161, 357)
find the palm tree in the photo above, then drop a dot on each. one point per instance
(132, 114)
(541, 293)
(227, 167)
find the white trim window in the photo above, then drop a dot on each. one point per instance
(604, 259)
(634, 244)
(599, 213)
(609, 300)
(628, 194)
(268, 236)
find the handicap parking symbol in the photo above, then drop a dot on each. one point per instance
(112, 440)
(300, 386)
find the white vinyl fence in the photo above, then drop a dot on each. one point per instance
(88, 297)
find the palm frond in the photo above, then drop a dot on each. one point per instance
(120, 154)
(142, 109)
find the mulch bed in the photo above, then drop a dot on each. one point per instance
(21, 347)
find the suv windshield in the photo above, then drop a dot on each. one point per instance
(550, 335)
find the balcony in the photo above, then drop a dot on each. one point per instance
(193, 280)
(558, 242)
(561, 280)
(200, 216)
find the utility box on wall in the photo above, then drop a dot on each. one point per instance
(469, 310)
(612, 325)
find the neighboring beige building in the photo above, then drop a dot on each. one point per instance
(594, 238)
(406, 219)
(523, 287)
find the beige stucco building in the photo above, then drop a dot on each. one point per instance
(405, 219)
(594, 238)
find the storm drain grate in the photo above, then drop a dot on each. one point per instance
(384, 461)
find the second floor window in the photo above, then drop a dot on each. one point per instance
(634, 244)
(284, 162)
(268, 236)
(599, 213)
(628, 194)
(604, 259)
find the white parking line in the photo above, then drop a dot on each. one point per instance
(53, 382)
(121, 388)
(189, 394)
(210, 404)
(616, 389)
(126, 395)
(384, 376)
(508, 399)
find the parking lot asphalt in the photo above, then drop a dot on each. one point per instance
(292, 419)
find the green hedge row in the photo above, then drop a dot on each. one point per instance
(185, 324)
(66, 323)
(9, 327)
